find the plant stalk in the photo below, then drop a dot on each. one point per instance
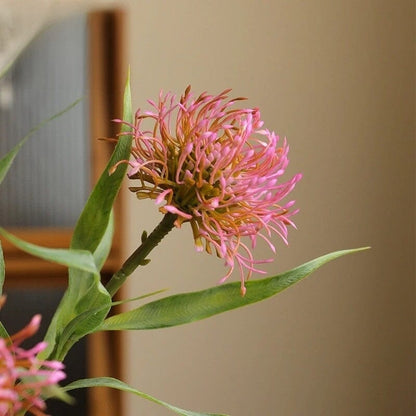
(138, 258)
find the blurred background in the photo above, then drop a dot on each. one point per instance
(338, 80)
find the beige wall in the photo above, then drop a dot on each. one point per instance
(337, 78)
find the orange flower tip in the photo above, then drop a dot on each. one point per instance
(114, 167)
(178, 222)
(36, 319)
(199, 246)
(243, 290)
(2, 300)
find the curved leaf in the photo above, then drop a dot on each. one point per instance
(188, 307)
(74, 323)
(3, 332)
(103, 249)
(119, 385)
(79, 259)
(82, 309)
(94, 219)
(146, 295)
(85, 295)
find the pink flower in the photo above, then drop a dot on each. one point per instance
(217, 168)
(23, 377)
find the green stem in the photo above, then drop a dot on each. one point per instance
(138, 258)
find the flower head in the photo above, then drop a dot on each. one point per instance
(215, 167)
(23, 377)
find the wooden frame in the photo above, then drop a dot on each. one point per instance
(106, 84)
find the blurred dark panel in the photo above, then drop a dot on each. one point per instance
(49, 181)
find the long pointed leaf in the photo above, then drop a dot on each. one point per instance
(94, 218)
(103, 249)
(3, 332)
(85, 293)
(119, 385)
(79, 259)
(188, 307)
(88, 313)
(86, 296)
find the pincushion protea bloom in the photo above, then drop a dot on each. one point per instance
(23, 377)
(217, 168)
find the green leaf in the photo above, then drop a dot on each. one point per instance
(103, 249)
(7, 160)
(58, 393)
(88, 314)
(94, 219)
(2, 270)
(86, 302)
(3, 332)
(82, 309)
(119, 385)
(79, 259)
(146, 295)
(188, 307)
(85, 297)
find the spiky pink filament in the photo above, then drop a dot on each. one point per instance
(218, 168)
(22, 376)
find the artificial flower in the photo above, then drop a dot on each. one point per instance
(24, 378)
(216, 167)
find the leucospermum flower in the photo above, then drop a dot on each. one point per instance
(23, 377)
(217, 168)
